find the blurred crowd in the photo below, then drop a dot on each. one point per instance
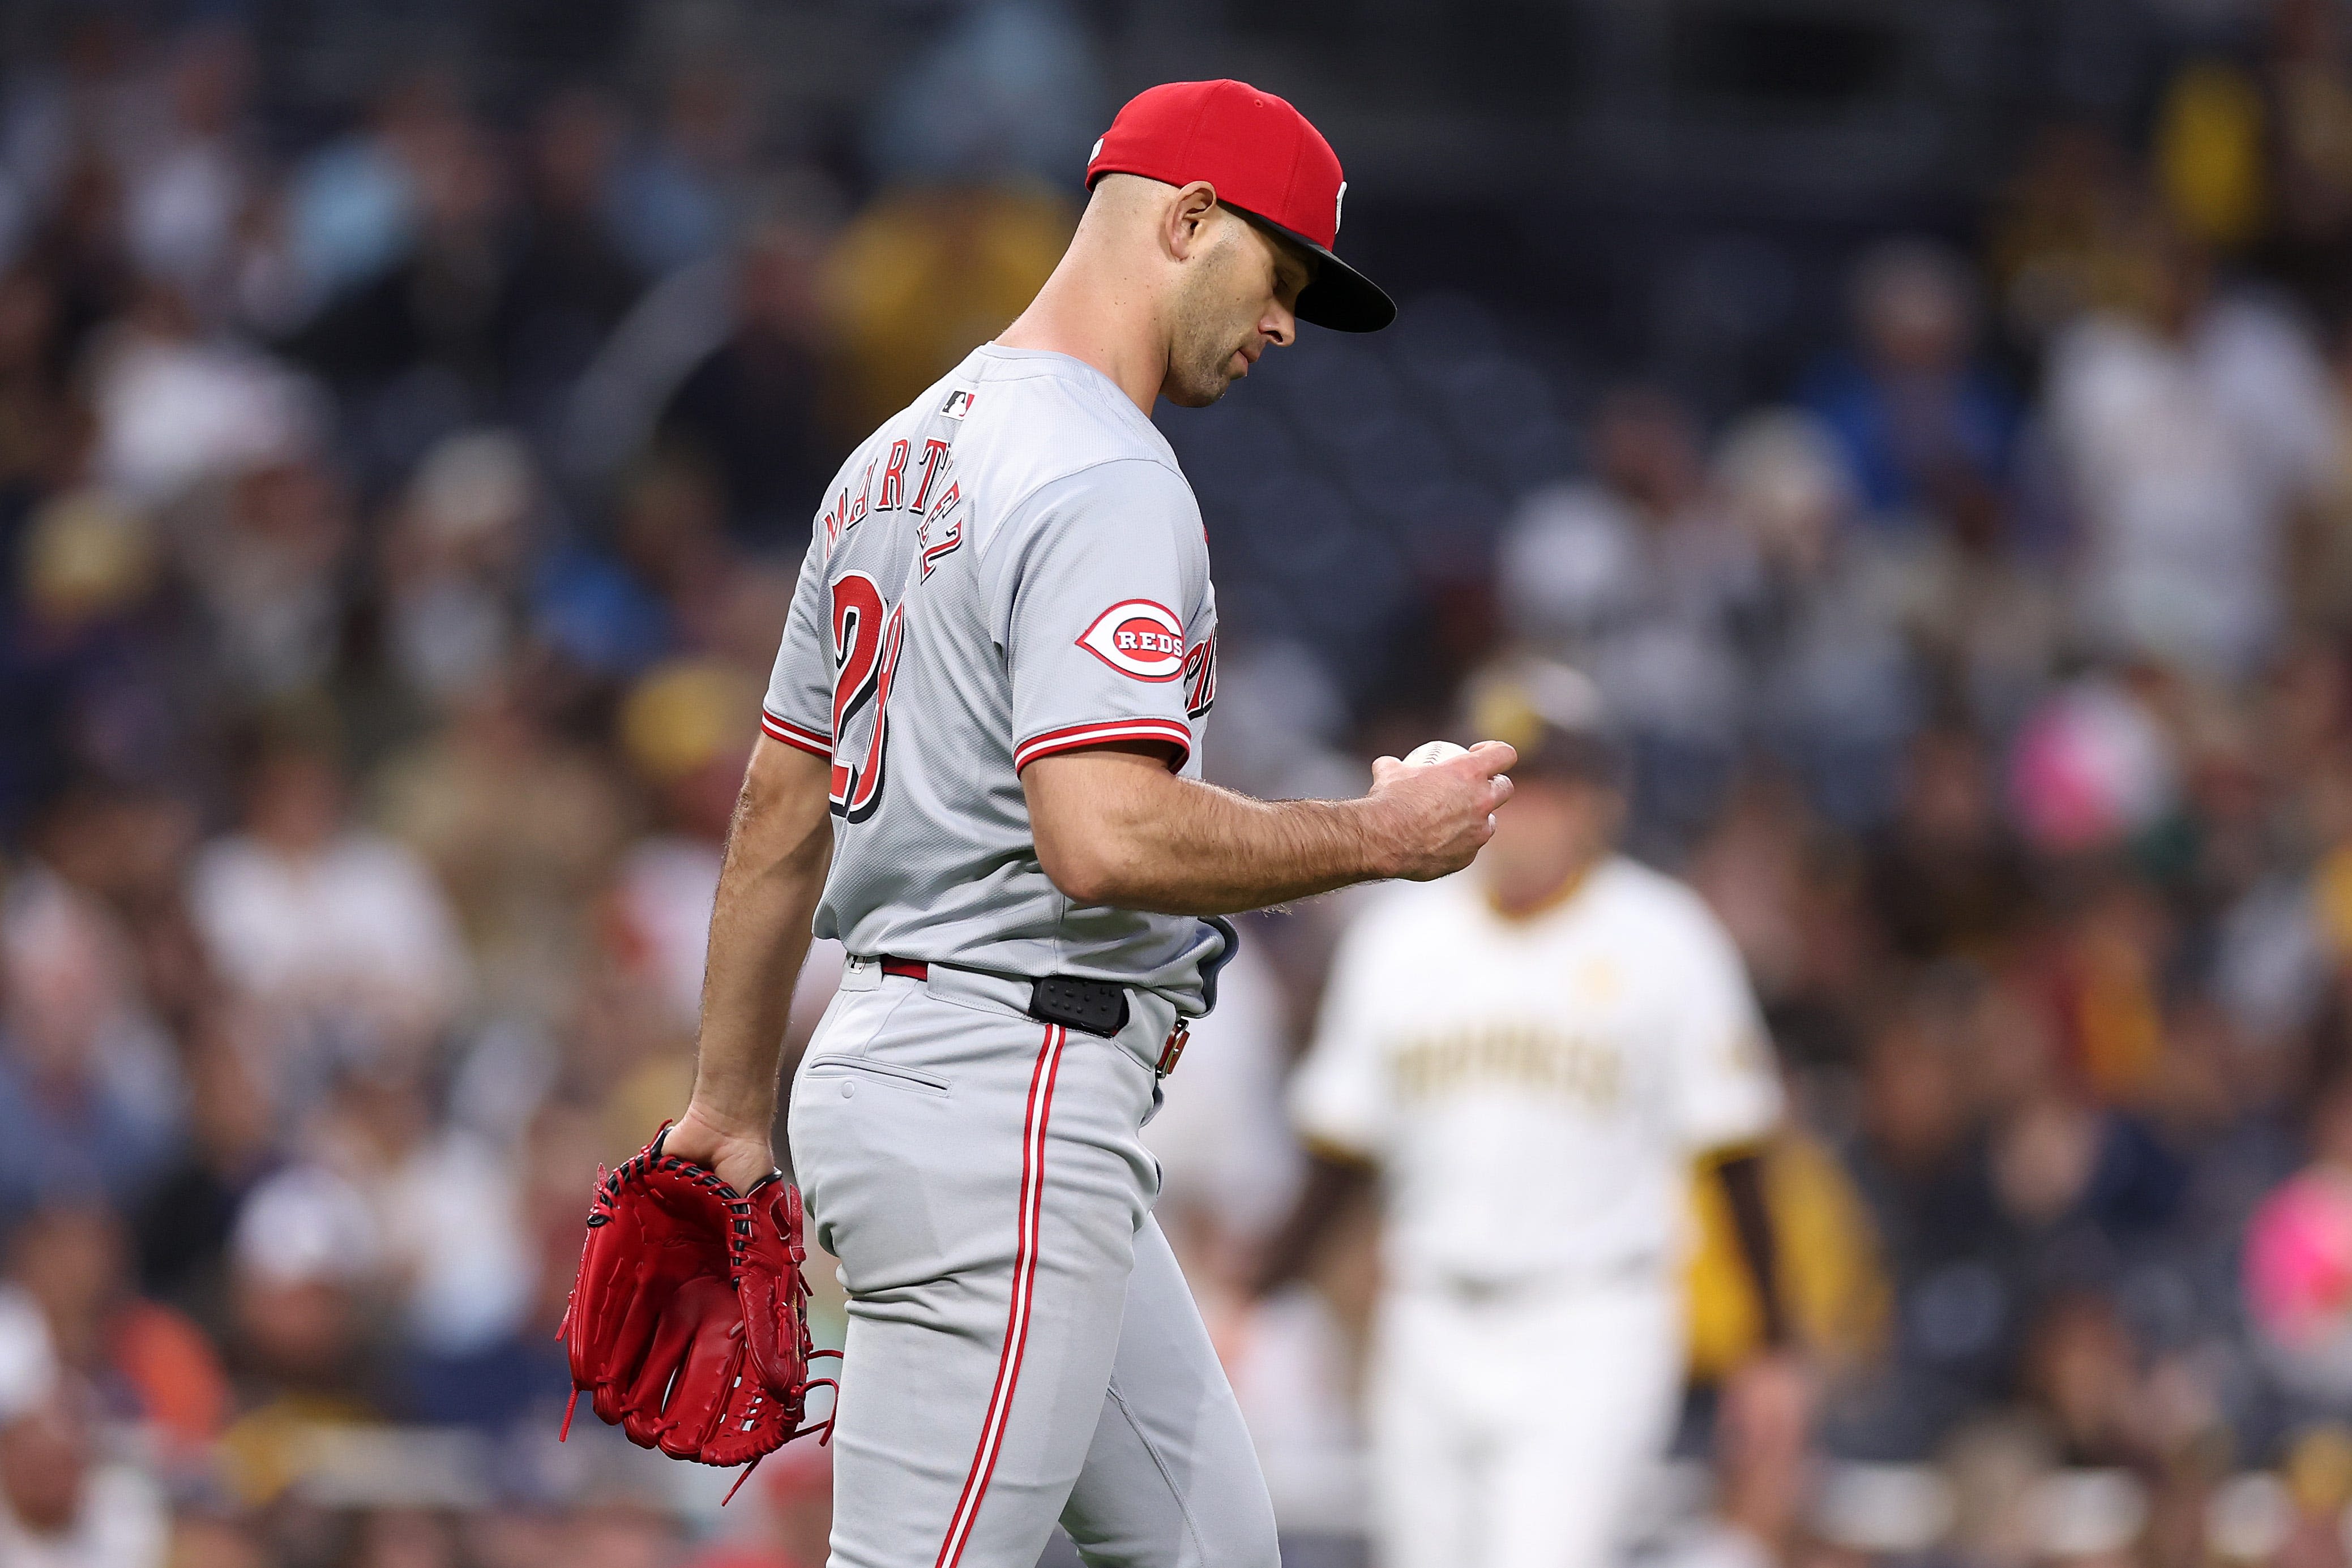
(397, 516)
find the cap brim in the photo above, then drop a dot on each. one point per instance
(1340, 298)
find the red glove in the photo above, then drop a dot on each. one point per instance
(687, 1325)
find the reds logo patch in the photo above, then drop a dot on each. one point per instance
(1138, 638)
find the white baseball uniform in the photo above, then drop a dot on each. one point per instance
(1533, 1091)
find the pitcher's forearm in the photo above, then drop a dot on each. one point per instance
(1113, 826)
(778, 848)
(759, 939)
(1216, 853)
(1117, 829)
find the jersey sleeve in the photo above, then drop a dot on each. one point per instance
(1727, 1092)
(1342, 1096)
(798, 708)
(1094, 606)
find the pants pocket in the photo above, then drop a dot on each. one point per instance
(837, 1068)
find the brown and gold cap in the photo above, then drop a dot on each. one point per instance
(1550, 713)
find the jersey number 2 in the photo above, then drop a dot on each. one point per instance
(865, 634)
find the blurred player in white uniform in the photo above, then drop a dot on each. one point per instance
(1530, 1056)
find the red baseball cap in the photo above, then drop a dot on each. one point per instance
(1266, 161)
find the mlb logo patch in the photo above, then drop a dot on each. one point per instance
(959, 404)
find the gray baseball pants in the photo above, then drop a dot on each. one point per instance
(1022, 1346)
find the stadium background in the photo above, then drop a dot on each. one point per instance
(1931, 426)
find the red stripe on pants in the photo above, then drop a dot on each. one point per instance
(1024, 1281)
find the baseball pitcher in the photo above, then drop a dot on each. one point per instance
(980, 770)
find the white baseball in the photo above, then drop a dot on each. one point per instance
(1432, 751)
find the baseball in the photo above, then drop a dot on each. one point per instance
(1431, 751)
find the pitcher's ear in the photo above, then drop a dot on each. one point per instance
(1190, 216)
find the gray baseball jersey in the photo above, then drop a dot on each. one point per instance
(1013, 565)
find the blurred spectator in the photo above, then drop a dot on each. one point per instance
(2206, 154)
(1926, 429)
(1638, 579)
(1948, 879)
(184, 1225)
(2310, 106)
(923, 275)
(571, 278)
(455, 563)
(2080, 1185)
(757, 409)
(2190, 431)
(265, 550)
(670, 535)
(520, 828)
(2090, 1381)
(202, 1541)
(420, 333)
(64, 1506)
(174, 409)
(79, 252)
(352, 204)
(191, 179)
(1786, 891)
(400, 1537)
(604, 1533)
(1010, 86)
(2298, 1264)
(678, 192)
(681, 728)
(307, 1257)
(1921, 1166)
(84, 681)
(795, 1503)
(2322, 586)
(2087, 1518)
(122, 851)
(2092, 770)
(90, 1095)
(340, 934)
(147, 1365)
(2068, 231)
(36, 436)
(1986, 622)
(448, 1227)
(1833, 684)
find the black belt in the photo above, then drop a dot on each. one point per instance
(1095, 1007)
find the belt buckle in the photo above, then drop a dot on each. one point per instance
(1178, 1038)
